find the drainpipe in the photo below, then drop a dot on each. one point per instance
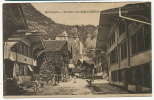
(132, 18)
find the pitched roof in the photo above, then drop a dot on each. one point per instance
(53, 45)
(127, 8)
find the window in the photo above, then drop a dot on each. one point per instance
(141, 40)
(28, 53)
(25, 70)
(114, 76)
(123, 49)
(146, 76)
(111, 40)
(133, 43)
(14, 48)
(147, 36)
(95, 71)
(95, 61)
(120, 75)
(122, 27)
(21, 69)
(20, 47)
(113, 57)
(24, 49)
(132, 75)
(140, 75)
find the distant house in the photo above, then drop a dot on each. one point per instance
(100, 65)
(125, 35)
(87, 68)
(76, 71)
(62, 36)
(57, 52)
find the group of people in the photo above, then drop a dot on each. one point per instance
(38, 85)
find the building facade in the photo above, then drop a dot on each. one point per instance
(19, 62)
(21, 49)
(128, 46)
(100, 65)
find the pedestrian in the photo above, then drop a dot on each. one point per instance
(41, 82)
(37, 86)
(74, 79)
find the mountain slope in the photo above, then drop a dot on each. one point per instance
(86, 34)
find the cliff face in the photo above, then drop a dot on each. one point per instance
(77, 35)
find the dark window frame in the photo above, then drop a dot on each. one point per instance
(112, 39)
(123, 50)
(122, 27)
(24, 49)
(114, 56)
(114, 76)
(120, 75)
(138, 45)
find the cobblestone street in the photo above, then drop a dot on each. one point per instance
(78, 88)
(64, 88)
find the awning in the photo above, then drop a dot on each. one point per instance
(11, 43)
(7, 51)
(30, 68)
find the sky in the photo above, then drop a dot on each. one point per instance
(60, 12)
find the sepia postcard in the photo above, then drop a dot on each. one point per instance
(93, 49)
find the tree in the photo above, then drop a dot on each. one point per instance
(50, 66)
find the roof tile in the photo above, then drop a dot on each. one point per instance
(53, 45)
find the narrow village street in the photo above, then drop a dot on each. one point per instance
(78, 88)
(64, 88)
(57, 55)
